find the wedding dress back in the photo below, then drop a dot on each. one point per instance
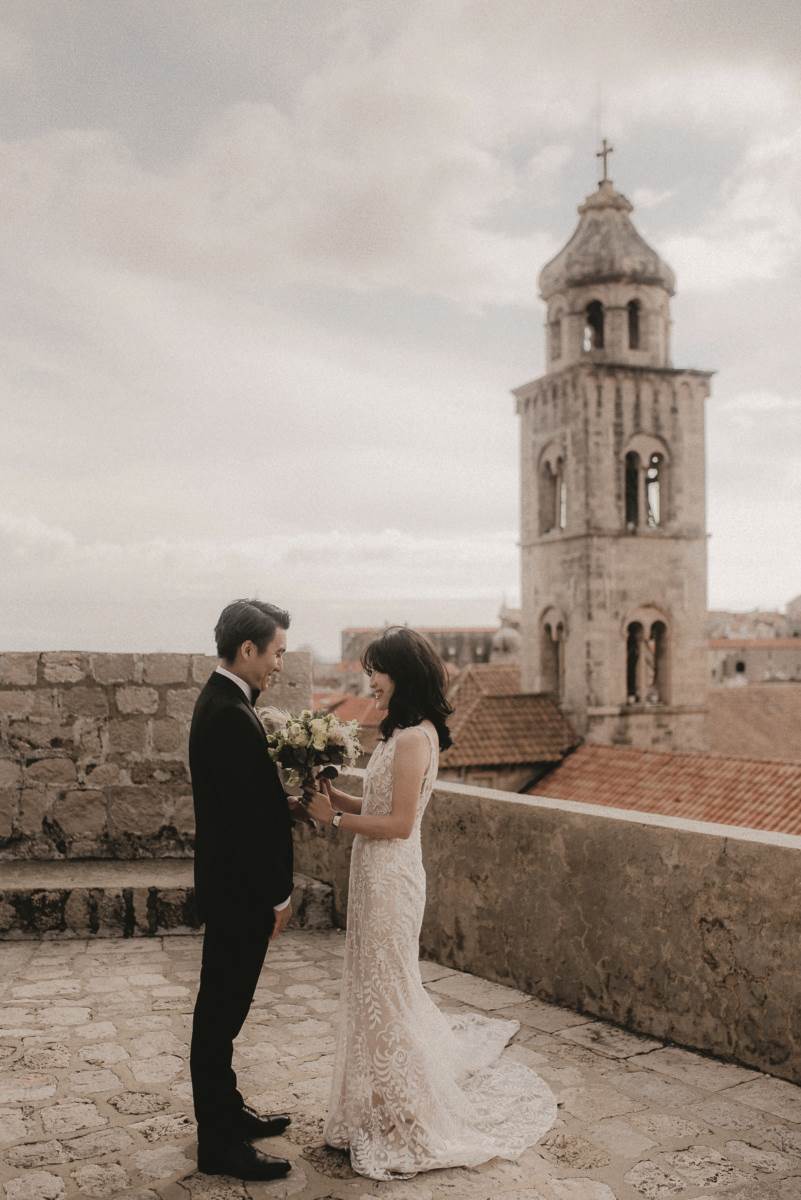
(413, 1089)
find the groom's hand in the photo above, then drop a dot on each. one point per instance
(299, 812)
(281, 921)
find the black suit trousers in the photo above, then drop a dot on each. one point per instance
(232, 961)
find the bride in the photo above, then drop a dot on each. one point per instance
(413, 1089)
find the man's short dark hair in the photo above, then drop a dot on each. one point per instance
(247, 621)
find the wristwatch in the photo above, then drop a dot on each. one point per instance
(337, 820)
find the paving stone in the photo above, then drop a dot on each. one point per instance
(697, 1070)
(719, 1112)
(63, 1015)
(479, 993)
(620, 1137)
(37, 1154)
(653, 1181)
(89, 1082)
(138, 1103)
(159, 1162)
(27, 1086)
(770, 1095)
(580, 1189)
(572, 1150)
(99, 1142)
(703, 1166)
(36, 1185)
(71, 1116)
(549, 1018)
(166, 1125)
(94, 1179)
(159, 1069)
(103, 1054)
(653, 1088)
(46, 1058)
(609, 1040)
(770, 1162)
(594, 1102)
(15, 1125)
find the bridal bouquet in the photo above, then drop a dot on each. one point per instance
(303, 744)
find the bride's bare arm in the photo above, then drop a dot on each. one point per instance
(408, 770)
(343, 800)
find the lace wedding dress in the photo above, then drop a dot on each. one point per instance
(414, 1089)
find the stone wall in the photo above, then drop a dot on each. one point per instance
(677, 929)
(93, 751)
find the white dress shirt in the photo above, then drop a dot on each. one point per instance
(240, 682)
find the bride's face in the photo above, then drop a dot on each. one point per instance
(382, 686)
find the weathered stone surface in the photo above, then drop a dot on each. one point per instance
(15, 1125)
(136, 699)
(98, 1142)
(26, 1087)
(138, 1103)
(112, 668)
(34, 805)
(10, 774)
(91, 1082)
(17, 704)
(64, 667)
(81, 812)
(18, 669)
(85, 702)
(71, 1116)
(608, 1040)
(94, 1179)
(169, 736)
(37, 1154)
(165, 1126)
(35, 1185)
(166, 668)
(180, 704)
(693, 1069)
(770, 1095)
(138, 810)
(202, 666)
(9, 803)
(51, 770)
(127, 735)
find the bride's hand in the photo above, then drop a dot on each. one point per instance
(298, 810)
(319, 807)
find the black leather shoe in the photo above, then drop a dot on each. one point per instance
(254, 1126)
(242, 1161)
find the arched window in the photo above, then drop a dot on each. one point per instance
(646, 659)
(594, 326)
(553, 491)
(633, 312)
(632, 489)
(553, 653)
(555, 329)
(645, 467)
(653, 491)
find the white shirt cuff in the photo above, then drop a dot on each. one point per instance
(284, 904)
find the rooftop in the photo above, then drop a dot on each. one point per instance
(96, 1096)
(752, 793)
(760, 720)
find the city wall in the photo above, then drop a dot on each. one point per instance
(93, 751)
(677, 929)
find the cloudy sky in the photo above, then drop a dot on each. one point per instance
(269, 273)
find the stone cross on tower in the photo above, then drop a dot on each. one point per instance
(604, 153)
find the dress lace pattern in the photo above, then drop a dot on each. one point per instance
(412, 1089)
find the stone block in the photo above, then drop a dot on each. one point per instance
(81, 812)
(136, 810)
(9, 799)
(202, 666)
(99, 775)
(112, 668)
(169, 736)
(166, 668)
(39, 734)
(127, 735)
(89, 737)
(18, 669)
(183, 817)
(17, 703)
(51, 770)
(64, 666)
(34, 805)
(161, 771)
(10, 773)
(180, 704)
(85, 702)
(137, 699)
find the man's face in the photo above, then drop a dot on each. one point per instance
(257, 667)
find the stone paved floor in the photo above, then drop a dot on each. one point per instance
(95, 1101)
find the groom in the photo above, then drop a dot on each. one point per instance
(243, 879)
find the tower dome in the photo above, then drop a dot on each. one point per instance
(605, 248)
(607, 291)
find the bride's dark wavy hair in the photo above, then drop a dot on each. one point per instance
(420, 681)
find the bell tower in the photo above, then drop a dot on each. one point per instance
(613, 524)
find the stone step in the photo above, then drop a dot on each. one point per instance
(121, 898)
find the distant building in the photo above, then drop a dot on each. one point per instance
(458, 645)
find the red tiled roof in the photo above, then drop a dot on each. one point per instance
(358, 708)
(759, 720)
(763, 643)
(509, 730)
(754, 793)
(494, 723)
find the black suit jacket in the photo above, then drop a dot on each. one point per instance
(243, 837)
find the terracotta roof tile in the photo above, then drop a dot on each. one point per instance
(494, 723)
(358, 708)
(755, 793)
(759, 720)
